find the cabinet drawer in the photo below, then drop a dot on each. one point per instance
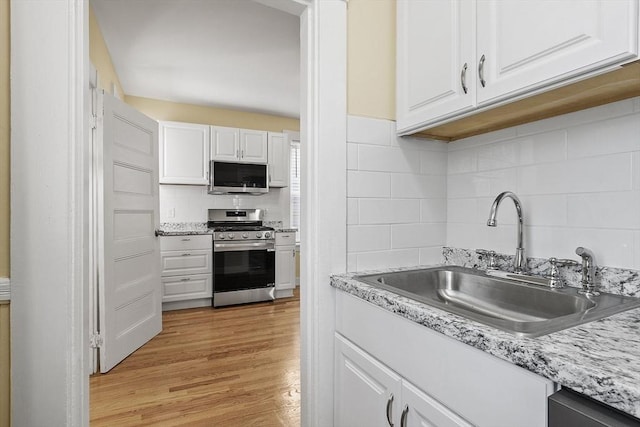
(179, 243)
(285, 239)
(180, 288)
(177, 263)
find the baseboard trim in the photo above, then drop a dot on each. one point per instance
(5, 289)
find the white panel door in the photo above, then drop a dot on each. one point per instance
(130, 290)
(253, 146)
(530, 43)
(435, 61)
(225, 143)
(367, 393)
(184, 153)
(278, 154)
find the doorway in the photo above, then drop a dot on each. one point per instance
(49, 314)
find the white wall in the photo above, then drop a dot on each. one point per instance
(577, 175)
(396, 197)
(190, 203)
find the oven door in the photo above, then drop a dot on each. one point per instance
(243, 265)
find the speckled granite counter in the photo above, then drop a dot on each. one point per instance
(183, 228)
(600, 359)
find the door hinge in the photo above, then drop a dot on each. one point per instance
(93, 121)
(95, 341)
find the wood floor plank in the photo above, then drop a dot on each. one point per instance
(231, 366)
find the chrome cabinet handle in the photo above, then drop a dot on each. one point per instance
(242, 151)
(186, 254)
(156, 232)
(294, 253)
(481, 71)
(186, 240)
(186, 279)
(403, 417)
(463, 78)
(389, 403)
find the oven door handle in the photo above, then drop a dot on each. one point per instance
(228, 247)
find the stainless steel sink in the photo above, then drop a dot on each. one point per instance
(527, 310)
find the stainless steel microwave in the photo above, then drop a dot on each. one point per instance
(232, 177)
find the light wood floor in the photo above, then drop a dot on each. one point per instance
(233, 366)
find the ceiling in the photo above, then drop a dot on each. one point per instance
(235, 54)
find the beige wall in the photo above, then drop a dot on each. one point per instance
(101, 59)
(371, 64)
(164, 110)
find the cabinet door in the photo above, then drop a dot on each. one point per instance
(278, 154)
(225, 143)
(184, 153)
(366, 392)
(253, 146)
(285, 267)
(422, 410)
(435, 46)
(531, 43)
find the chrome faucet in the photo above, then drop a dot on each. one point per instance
(519, 260)
(588, 272)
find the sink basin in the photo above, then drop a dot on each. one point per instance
(523, 309)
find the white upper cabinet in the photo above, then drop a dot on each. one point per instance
(278, 148)
(531, 43)
(253, 146)
(225, 143)
(238, 145)
(498, 51)
(184, 153)
(435, 60)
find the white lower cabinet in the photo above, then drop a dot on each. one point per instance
(435, 380)
(370, 394)
(285, 264)
(187, 273)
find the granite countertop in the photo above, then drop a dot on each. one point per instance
(600, 359)
(183, 228)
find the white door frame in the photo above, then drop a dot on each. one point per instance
(50, 205)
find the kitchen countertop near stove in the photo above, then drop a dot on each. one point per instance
(183, 228)
(600, 359)
(286, 230)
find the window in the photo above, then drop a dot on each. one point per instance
(294, 187)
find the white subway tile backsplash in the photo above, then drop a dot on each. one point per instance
(386, 159)
(368, 238)
(364, 130)
(411, 186)
(617, 135)
(368, 184)
(352, 211)
(431, 256)
(381, 211)
(636, 170)
(352, 156)
(463, 161)
(547, 147)
(433, 210)
(352, 262)
(417, 235)
(636, 250)
(433, 163)
(486, 138)
(386, 259)
(411, 143)
(605, 210)
(545, 210)
(462, 211)
(604, 173)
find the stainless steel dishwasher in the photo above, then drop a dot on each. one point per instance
(571, 409)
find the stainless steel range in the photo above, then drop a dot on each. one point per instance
(243, 257)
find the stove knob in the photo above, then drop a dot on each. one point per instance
(267, 234)
(231, 235)
(221, 236)
(258, 235)
(245, 236)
